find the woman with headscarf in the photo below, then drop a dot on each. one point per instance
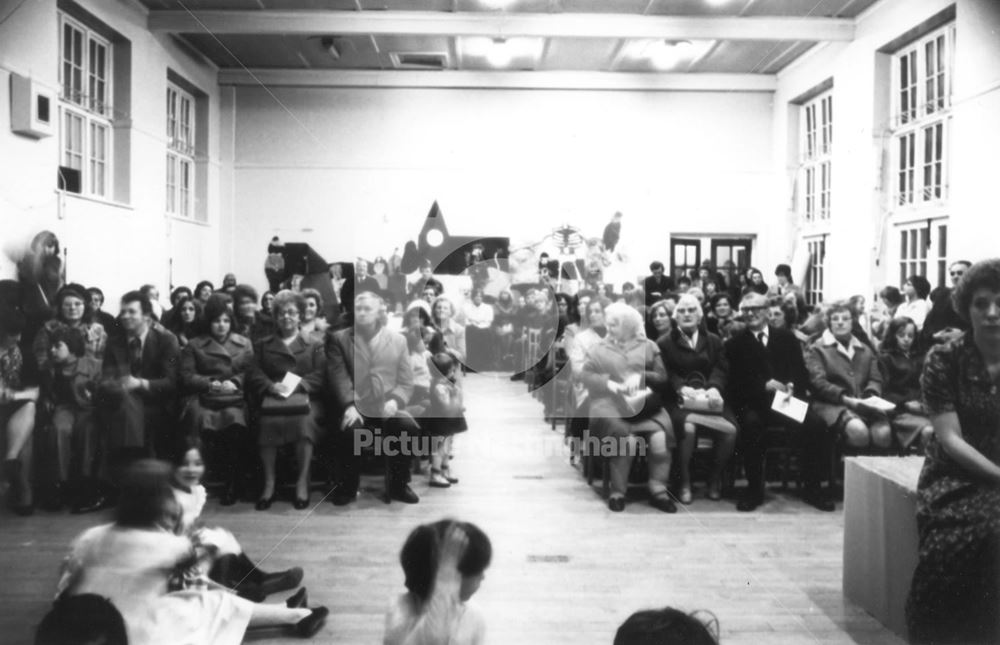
(623, 374)
(698, 370)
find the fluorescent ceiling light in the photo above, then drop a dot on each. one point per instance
(501, 52)
(665, 54)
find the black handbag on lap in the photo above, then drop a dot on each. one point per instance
(295, 404)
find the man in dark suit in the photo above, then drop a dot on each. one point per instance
(942, 322)
(139, 384)
(657, 285)
(765, 362)
(368, 368)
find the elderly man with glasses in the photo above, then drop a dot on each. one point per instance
(765, 362)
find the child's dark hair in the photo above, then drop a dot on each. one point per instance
(896, 325)
(436, 343)
(186, 443)
(422, 549)
(73, 338)
(145, 493)
(667, 626)
(443, 363)
(83, 619)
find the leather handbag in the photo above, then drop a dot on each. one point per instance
(294, 405)
(220, 400)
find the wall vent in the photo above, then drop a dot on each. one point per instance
(419, 60)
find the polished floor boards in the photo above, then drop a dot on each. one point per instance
(565, 569)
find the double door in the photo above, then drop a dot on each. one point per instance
(728, 255)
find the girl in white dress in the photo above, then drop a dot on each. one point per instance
(133, 561)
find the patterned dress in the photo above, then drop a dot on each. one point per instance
(955, 593)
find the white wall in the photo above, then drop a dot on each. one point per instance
(361, 167)
(857, 249)
(115, 246)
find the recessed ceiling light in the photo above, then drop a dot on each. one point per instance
(500, 54)
(666, 54)
(717, 3)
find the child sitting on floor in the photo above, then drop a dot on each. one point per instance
(233, 571)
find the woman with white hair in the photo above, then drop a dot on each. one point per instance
(623, 374)
(698, 369)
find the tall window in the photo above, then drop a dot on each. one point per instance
(921, 113)
(85, 101)
(816, 149)
(814, 277)
(180, 152)
(923, 250)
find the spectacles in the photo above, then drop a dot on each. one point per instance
(956, 273)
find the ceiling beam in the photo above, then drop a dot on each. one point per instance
(500, 80)
(504, 25)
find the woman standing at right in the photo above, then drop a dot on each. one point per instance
(955, 591)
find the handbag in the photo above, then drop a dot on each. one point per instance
(295, 404)
(220, 400)
(699, 401)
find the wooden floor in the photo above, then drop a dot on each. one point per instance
(565, 569)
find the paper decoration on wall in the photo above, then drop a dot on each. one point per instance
(448, 254)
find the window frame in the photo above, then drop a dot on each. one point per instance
(816, 273)
(913, 116)
(181, 137)
(816, 157)
(95, 113)
(931, 257)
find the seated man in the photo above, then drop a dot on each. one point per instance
(763, 361)
(372, 380)
(138, 385)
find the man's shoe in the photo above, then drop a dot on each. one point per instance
(663, 503)
(818, 500)
(308, 626)
(280, 581)
(343, 495)
(403, 493)
(749, 503)
(616, 504)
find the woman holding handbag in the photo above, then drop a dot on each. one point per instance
(212, 370)
(698, 373)
(285, 386)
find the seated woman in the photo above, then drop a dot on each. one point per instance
(71, 312)
(17, 414)
(314, 326)
(956, 585)
(891, 299)
(132, 562)
(288, 414)
(900, 362)
(842, 372)
(212, 371)
(479, 331)
(624, 374)
(658, 321)
(720, 313)
(592, 331)
(443, 318)
(696, 364)
(917, 306)
(184, 320)
(249, 323)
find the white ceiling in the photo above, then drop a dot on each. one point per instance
(739, 38)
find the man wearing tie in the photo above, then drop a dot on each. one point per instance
(765, 362)
(139, 384)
